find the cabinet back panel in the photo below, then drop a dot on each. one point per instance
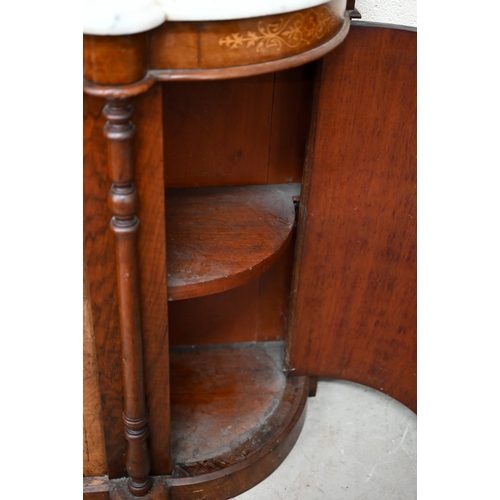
(236, 132)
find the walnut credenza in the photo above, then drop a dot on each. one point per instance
(244, 235)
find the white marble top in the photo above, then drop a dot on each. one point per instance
(124, 17)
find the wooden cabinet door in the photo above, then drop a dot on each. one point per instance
(354, 286)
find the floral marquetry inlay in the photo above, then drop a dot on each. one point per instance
(300, 29)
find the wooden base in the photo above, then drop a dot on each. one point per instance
(235, 417)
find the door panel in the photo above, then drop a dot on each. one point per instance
(354, 286)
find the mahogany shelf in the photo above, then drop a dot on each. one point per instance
(235, 416)
(233, 409)
(221, 237)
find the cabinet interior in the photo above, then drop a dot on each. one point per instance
(218, 137)
(233, 153)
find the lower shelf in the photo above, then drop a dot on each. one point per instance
(235, 417)
(232, 407)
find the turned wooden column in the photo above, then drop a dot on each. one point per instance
(123, 201)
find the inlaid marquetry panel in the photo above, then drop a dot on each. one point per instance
(127, 65)
(292, 31)
(244, 41)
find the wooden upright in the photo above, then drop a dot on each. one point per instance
(123, 202)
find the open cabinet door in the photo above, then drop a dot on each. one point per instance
(354, 287)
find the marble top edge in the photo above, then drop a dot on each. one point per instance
(126, 17)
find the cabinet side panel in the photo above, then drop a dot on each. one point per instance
(101, 261)
(101, 265)
(148, 149)
(94, 453)
(354, 298)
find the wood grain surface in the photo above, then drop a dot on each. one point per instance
(253, 312)
(101, 264)
(123, 201)
(229, 404)
(244, 42)
(115, 60)
(221, 237)
(152, 250)
(291, 117)
(94, 451)
(354, 303)
(101, 261)
(96, 488)
(157, 115)
(233, 132)
(219, 394)
(237, 132)
(235, 418)
(217, 133)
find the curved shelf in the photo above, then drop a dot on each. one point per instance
(235, 417)
(221, 237)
